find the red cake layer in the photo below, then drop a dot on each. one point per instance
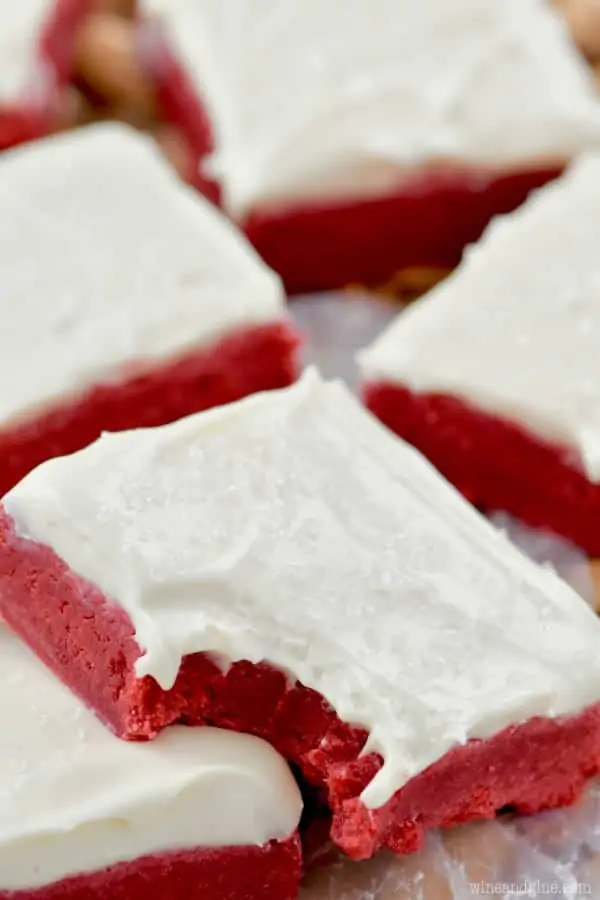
(89, 643)
(424, 224)
(254, 359)
(271, 872)
(332, 244)
(20, 125)
(34, 116)
(496, 464)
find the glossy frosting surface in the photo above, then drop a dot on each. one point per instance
(293, 528)
(516, 330)
(317, 97)
(123, 267)
(76, 799)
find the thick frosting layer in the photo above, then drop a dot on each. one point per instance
(21, 22)
(109, 265)
(75, 799)
(314, 97)
(293, 528)
(516, 330)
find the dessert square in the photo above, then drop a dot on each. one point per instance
(354, 160)
(126, 299)
(37, 48)
(200, 812)
(286, 567)
(495, 374)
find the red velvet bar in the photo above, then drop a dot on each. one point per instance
(250, 360)
(426, 222)
(90, 644)
(495, 464)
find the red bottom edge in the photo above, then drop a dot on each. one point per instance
(271, 872)
(89, 643)
(495, 464)
(324, 245)
(253, 359)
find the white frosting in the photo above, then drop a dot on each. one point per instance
(21, 23)
(516, 330)
(314, 97)
(293, 528)
(74, 799)
(111, 265)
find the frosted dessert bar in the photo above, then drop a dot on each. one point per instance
(286, 567)
(355, 160)
(125, 300)
(495, 375)
(199, 812)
